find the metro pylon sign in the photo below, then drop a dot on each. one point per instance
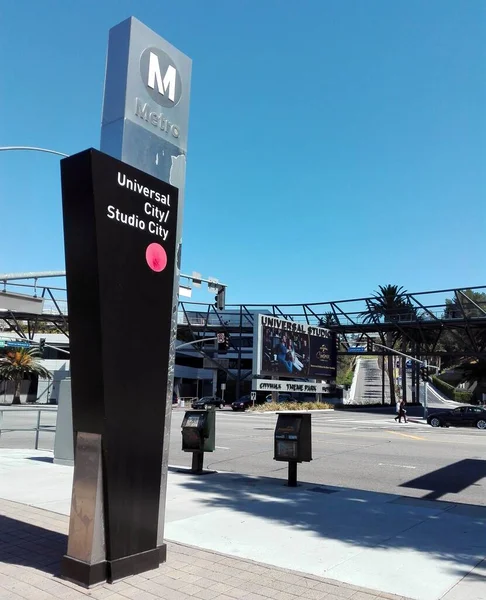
(120, 242)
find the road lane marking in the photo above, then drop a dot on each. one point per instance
(400, 466)
(413, 437)
(222, 448)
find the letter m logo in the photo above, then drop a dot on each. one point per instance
(165, 86)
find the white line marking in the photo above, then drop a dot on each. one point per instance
(400, 466)
(221, 448)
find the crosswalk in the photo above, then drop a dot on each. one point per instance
(328, 419)
(372, 423)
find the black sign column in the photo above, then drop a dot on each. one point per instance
(120, 237)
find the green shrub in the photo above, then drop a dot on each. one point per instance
(451, 392)
(444, 387)
(465, 397)
(345, 378)
(273, 406)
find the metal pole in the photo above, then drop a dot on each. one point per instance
(197, 462)
(414, 394)
(37, 429)
(425, 391)
(292, 479)
(1, 422)
(201, 341)
(417, 375)
(404, 374)
(383, 379)
(33, 149)
(238, 380)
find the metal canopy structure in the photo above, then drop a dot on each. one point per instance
(423, 321)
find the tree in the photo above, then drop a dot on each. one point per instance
(470, 304)
(475, 371)
(19, 363)
(390, 304)
(470, 307)
(328, 319)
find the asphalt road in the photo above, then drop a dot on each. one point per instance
(357, 450)
(13, 418)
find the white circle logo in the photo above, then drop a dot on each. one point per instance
(161, 77)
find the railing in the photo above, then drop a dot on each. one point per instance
(232, 319)
(450, 308)
(38, 428)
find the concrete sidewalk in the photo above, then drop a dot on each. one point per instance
(32, 541)
(410, 547)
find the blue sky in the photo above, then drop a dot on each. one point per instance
(333, 145)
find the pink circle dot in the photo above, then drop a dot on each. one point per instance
(156, 257)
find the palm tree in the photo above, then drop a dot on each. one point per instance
(328, 319)
(387, 306)
(19, 363)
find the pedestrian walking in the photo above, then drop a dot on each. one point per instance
(401, 412)
(397, 409)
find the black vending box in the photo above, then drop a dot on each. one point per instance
(293, 437)
(198, 431)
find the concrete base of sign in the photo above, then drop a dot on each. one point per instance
(132, 565)
(82, 573)
(88, 575)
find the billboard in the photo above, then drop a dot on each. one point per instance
(295, 350)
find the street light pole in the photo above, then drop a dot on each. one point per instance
(33, 149)
(195, 342)
(425, 390)
(421, 362)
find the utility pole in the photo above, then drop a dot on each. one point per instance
(416, 366)
(404, 373)
(426, 384)
(238, 380)
(383, 379)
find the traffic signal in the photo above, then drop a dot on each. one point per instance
(223, 343)
(219, 299)
(369, 345)
(424, 373)
(42, 346)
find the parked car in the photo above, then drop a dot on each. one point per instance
(243, 403)
(206, 401)
(472, 416)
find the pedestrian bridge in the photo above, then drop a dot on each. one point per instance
(36, 298)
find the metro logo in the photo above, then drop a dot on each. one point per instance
(166, 85)
(161, 77)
